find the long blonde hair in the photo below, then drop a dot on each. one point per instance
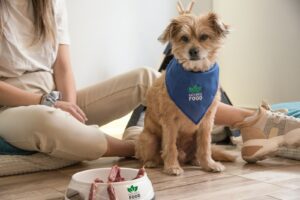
(44, 22)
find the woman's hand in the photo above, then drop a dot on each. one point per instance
(73, 109)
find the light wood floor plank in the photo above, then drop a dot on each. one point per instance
(288, 176)
(234, 189)
(272, 179)
(287, 195)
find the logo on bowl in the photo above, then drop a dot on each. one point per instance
(133, 192)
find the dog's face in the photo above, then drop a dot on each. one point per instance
(195, 40)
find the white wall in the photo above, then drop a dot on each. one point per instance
(261, 59)
(113, 36)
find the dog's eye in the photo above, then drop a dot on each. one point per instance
(184, 39)
(203, 37)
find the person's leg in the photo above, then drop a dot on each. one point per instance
(114, 98)
(121, 148)
(57, 133)
(262, 131)
(54, 132)
(229, 115)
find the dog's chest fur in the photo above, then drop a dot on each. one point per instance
(161, 108)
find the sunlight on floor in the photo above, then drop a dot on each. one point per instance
(116, 128)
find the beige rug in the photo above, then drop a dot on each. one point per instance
(17, 164)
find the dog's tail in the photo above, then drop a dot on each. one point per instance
(220, 154)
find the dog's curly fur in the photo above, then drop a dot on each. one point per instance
(169, 137)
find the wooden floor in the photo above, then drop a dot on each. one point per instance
(271, 179)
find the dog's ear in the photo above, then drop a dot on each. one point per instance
(170, 32)
(217, 25)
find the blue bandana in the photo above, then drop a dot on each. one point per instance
(192, 92)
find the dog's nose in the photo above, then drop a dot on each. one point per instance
(194, 52)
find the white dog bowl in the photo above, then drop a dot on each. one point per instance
(138, 189)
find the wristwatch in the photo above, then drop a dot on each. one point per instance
(51, 98)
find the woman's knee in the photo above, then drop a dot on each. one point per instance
(32, 127)
(48, 123)
(145, 77)
(148, 75)
(51, 129)
(44, 117)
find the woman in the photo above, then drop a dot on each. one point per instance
(35, 62)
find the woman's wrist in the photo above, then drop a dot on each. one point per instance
(38, 98)
(51, 98)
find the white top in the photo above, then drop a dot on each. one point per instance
(17, 54)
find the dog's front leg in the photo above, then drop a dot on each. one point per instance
(170, 152)
(148, 149)
(203, 153)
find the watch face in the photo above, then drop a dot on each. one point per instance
(55, 95)
(49, 103)
(51, 98)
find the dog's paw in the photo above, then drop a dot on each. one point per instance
(151, 164)
(213, 166)
(174, 170)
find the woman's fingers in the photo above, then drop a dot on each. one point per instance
(81, 113)
(73, 109)
(74, 113)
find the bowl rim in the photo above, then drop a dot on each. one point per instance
(143, 178)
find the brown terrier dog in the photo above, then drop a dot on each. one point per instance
(195, 42)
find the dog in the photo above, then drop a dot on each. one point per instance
(171, 136)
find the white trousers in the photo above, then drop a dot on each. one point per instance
(55, 132)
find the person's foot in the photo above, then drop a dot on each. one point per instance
(132, 133)
(265, 131)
